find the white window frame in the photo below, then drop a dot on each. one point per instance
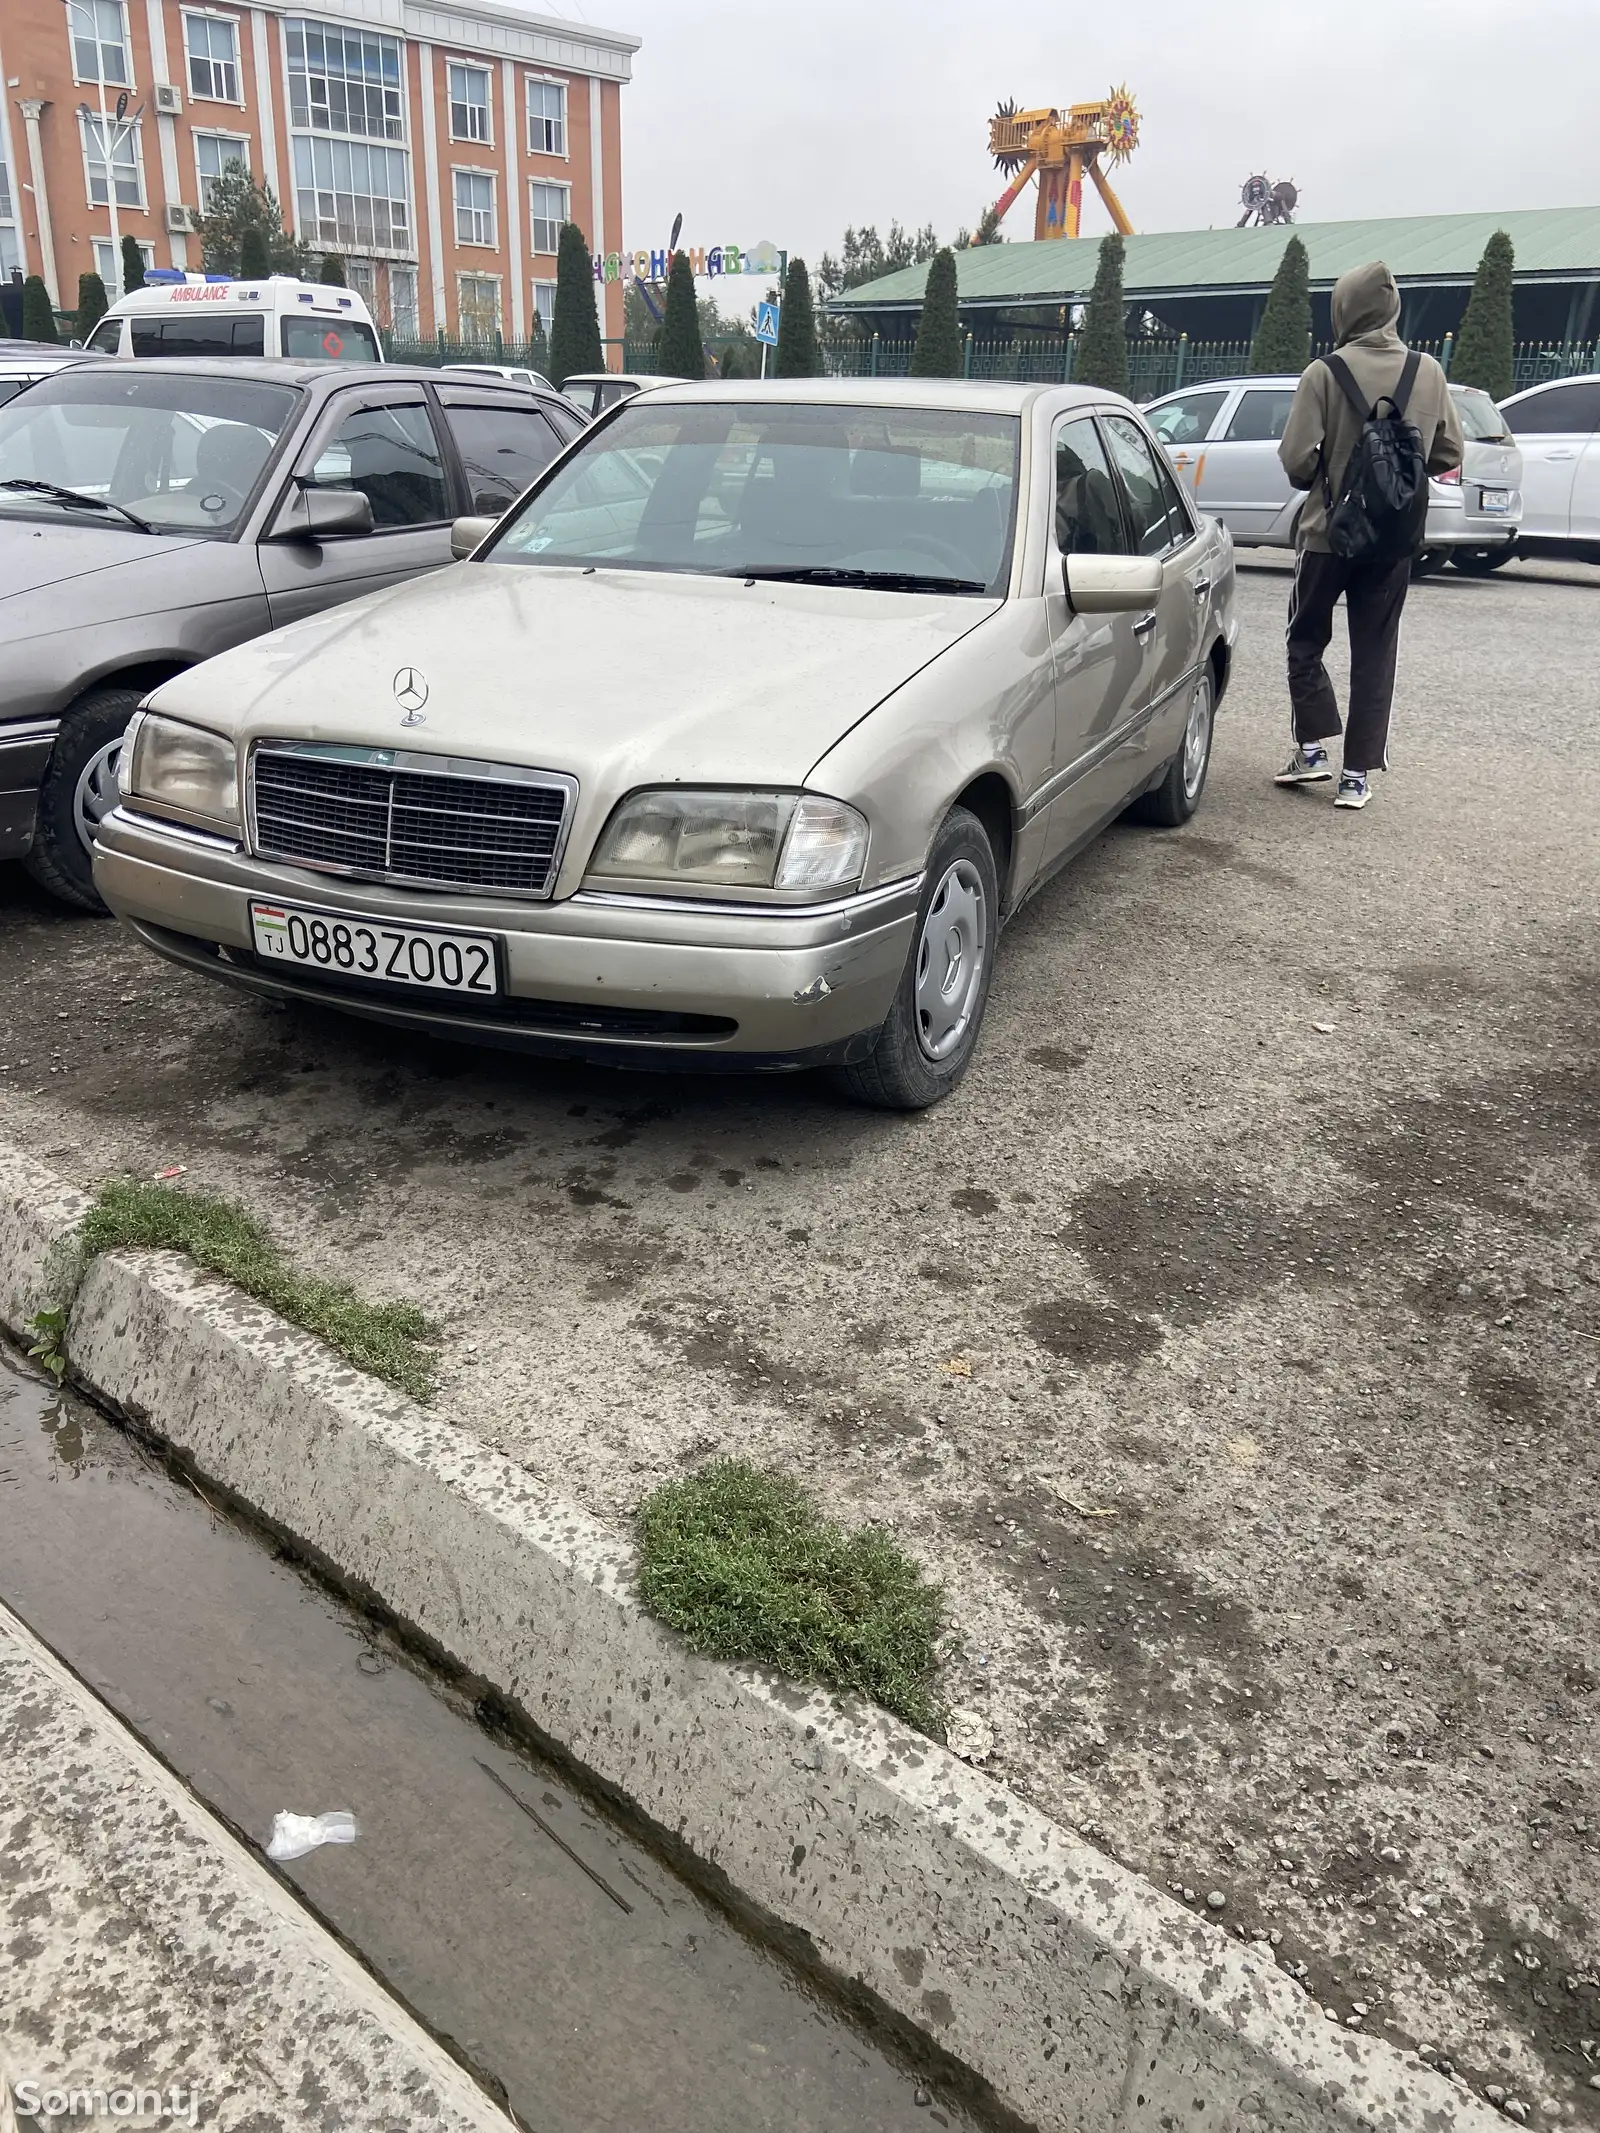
(486, 75)
(398, 118)
(467, 274)
(413, 330)
(477, 214)
(537, 147)
(546, 311)
(203, 178)
(99, 41)
(231, 23)
(89, 130)
(310, 226)
(102, 248)
(553, 185)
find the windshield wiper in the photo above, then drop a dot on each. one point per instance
(76, 496)
(881, 580)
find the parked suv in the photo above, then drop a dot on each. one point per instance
(154, 513)
(1222, 439)
(1557, 427)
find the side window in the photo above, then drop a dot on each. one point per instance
(392, 456)
(1088, 516)
(1261, 415)
(1563, 410)
(1157, 515)
(10, 387)
(502, 449)
(1187, 420)
(214, 336)
(569, 424)
(106, 338)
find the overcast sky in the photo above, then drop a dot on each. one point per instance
(771, 119)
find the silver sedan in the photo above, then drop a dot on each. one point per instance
(734, 743)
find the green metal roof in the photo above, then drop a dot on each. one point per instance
(1552, 243)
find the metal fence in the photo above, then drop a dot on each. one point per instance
(1155, 366)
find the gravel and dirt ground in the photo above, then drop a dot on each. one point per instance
(1228, 1344)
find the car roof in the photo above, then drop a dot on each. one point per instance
(42, 352)
(273, 370)
(1582, 377)
(622, 377)
(960, 395)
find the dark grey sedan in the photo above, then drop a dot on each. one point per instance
(152, 514)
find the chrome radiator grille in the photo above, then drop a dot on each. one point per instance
(399, 816)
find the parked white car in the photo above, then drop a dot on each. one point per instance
(740, 760)
(222, 315)
(593, 391)
(513, 373)
(1557, 428)
(1222, 439)
(24, 363)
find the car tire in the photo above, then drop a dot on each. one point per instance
(1169, 804)
(1479, 562)
(927, 1042)
(1427, 562)
(78, 786)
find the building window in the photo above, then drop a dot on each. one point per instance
(547, 118)
(213, 152)
(407, 326)
(108, 263)
(350, 197)
(212, 43)
(125, 166)
(550, 209)
(469, 104)
(344, 81)
(99, 41)
(5, 192)
(474, 207)
(544, 305)
(478, 296)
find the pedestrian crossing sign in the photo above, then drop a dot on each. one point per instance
(767, 324)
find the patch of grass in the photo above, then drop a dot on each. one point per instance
(746, 1567)
(390, 1339)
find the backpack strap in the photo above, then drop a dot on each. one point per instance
(1339, 370)
(1408, 378)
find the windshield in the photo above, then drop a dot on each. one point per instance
(181, 454)
(1481, 421)
(319, 340)
(913, 498)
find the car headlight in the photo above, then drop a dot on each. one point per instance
(180, 767)
(738, 840)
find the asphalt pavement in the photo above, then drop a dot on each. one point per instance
(1228, 1343)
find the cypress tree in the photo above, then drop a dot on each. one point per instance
(681, 353)
(1283, 339)
(92, 305)
(938, 350)
(255, 261)
(1103, 338)
(539, 345)
(132, 265)
(798, 353)
(575, 330)
(38, 320)
(1483, 350)
(332, 272)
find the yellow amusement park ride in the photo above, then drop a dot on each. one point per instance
(1060, 147)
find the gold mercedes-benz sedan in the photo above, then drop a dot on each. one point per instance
(733, 744)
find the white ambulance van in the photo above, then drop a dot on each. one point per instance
(220, 315)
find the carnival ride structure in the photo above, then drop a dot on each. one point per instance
(1264, 202)
(1061, 148)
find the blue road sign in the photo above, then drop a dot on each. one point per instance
(767, 324)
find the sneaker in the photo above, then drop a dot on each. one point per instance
(1308, 765)
(1354, 791)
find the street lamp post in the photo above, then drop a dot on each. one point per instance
(110, 140)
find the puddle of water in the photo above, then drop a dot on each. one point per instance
(573, 1971)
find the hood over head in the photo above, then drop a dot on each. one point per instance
(1364, 301)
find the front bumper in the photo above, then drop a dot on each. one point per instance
(632, 979)
(25, 749)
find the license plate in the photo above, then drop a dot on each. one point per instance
(423, 957)
(1494, 499)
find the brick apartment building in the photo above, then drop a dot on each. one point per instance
(437, 145)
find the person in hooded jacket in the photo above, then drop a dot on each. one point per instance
(1318, 439)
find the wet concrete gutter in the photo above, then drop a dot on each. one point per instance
(1086, 1999)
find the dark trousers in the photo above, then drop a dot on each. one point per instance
(1374, 594)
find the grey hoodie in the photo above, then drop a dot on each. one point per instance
(1366, 304)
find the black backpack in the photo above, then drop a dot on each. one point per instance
(1382, 507)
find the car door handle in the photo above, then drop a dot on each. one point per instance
(1145, 624)
(1200, 587)
(1561, 451)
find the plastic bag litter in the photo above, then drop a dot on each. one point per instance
(295, 1835)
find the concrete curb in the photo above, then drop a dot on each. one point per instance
(1088, 2000)
(148, 1949)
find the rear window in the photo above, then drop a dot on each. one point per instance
(325, 340)
(235, 334)
(1481, 421)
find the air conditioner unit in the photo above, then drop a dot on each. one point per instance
(179, 218)
(168, 98)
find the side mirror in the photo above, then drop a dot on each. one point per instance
(1112, 584)
(467, 534)
(324, 514)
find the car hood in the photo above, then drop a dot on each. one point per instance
(618, 677)
(135, 569)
